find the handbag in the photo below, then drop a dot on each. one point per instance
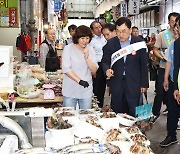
(144, 115)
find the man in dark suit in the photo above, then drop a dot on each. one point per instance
(177, 62)
(128, 76)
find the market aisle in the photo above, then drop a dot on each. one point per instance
(158, 133)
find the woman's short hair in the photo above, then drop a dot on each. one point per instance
(82, 31)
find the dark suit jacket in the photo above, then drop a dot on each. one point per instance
(176, 62)
(135, 67)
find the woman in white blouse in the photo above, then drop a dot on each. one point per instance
(78, 66)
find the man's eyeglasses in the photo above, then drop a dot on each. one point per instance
(123, 31)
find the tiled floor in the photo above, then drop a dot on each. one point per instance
(158, 133)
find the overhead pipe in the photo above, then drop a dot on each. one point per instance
(17, 129)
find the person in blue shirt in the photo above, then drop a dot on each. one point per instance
(71, 30)
(173, 107)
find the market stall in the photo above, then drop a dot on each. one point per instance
(83, 131)
(90, 131)
(94, 131)
(35, 87)
(33, 111)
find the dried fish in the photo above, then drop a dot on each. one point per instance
(91, 149)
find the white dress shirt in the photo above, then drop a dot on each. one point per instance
(97, 43)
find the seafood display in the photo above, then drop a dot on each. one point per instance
(57, 123)
(114, 135)
(125, 119)
(108, 115)
(106, 108)
(93, 121)
(91, 135)
(88, 140)
(91, 149)
(128, 117)
(62, 111)
(94, 100)
(140, 149)
(85, 112)
(66, 108)
(95, 104)
(65, 113)
(139, 138)
(132, 130)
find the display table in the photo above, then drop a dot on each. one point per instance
(23, 102)
(96, 132)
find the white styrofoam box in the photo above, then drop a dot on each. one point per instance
(6, 70)
(6, 84)
(6, 54)
(124, 146)
(59, 138)
(73, 120)
(125, 119)
(35, 150)
(109, 123)
(40, 112)
(84, 129)
(89, 112)
(9, 145)
(128, 136)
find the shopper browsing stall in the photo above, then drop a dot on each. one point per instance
(172, 69)
(163, 41)
(128, 74)
(97, 42)
(109, 30)
(78, 65)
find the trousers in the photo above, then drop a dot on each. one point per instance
(161, 94)
(173, 112)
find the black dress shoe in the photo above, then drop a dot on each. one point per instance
(168, 141)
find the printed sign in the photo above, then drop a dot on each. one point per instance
(13, 21)
(57, 5)
(134, 6)
(167, 37)
(9, 13)
(130, 49)
(123, 8)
